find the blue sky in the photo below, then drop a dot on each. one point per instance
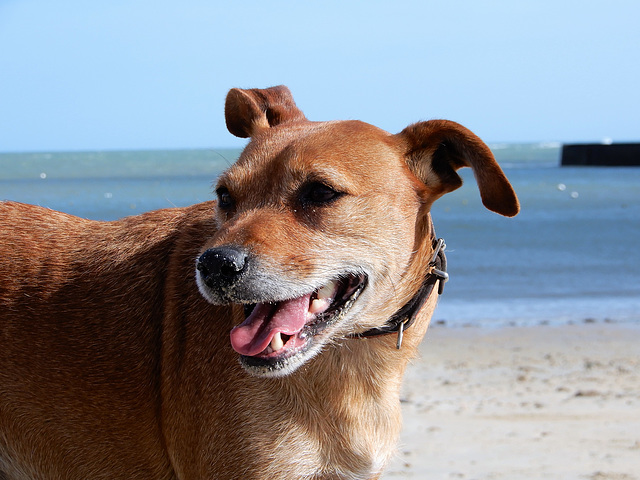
(147, 74)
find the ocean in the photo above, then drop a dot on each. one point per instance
(571, 256)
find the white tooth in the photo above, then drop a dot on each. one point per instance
(276, 342)
(328, 290)
(318, 305)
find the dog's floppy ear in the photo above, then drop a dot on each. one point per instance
(437, 148)
(248, 112)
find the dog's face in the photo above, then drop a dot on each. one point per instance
(321, 224)
(317, 227)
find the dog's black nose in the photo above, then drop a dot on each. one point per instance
(221, 266)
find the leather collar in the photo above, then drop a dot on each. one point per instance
(405, 316)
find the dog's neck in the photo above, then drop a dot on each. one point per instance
(354, 386)
(435, 277)
(351, 394)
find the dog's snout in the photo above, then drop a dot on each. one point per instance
(221, 265)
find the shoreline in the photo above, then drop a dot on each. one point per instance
(522, 312)
(484, 325)
(545, 401)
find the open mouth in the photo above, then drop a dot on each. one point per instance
(275, 332)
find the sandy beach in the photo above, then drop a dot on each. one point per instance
(518, 403)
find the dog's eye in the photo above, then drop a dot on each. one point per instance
(317, 193)
(225, 202)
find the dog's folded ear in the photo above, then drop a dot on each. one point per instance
(437, 148)
(249, 112)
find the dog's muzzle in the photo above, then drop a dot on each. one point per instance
(285, 323)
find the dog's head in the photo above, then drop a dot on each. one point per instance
(324, 227)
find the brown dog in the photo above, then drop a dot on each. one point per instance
(115, 357)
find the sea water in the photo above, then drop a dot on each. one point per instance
(571, 255)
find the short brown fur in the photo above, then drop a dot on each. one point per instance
(114, 366)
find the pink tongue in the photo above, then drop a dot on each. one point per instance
(254, 334)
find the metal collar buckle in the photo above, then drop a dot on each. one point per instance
(441, 276)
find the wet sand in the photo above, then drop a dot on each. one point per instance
(523, 403)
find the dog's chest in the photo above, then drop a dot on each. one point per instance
(294, 450)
